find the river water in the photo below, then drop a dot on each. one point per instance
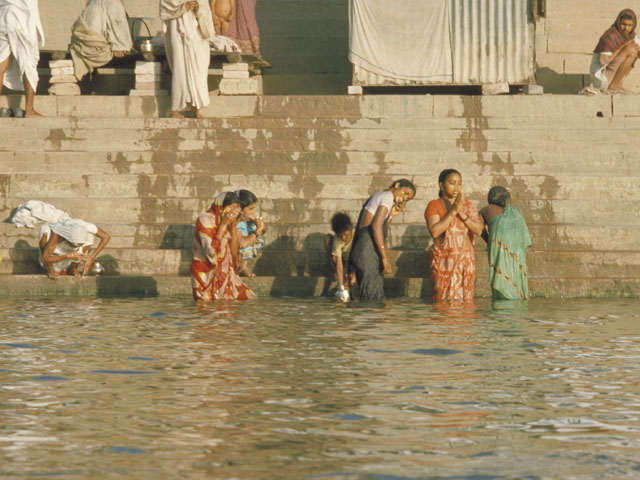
(290, 388)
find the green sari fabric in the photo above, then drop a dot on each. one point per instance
(508, 242)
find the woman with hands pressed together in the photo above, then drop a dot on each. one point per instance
(216, 249)
(369, 257)
(452, 221)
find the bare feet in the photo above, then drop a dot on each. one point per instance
(619, 90)
(197, 113)
(31, 113)
(176, 114)
(244, 272)
(52, 274)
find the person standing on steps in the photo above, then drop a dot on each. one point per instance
(187, 27)
(20, 33)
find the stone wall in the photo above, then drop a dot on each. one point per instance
(568, 161)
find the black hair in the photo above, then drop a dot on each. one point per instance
(340, 223)
(499, 196)
(246, 198)
(444, 174)
(626, 16)
(403, 183)
(229, 199)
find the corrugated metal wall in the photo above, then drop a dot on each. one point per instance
(492, 41)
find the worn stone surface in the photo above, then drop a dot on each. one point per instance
(60, 63)
(64, 89)
(235, 67)
(235, 74)
(62, 71)
(153, 68)
(145, 179)
(63, 79)
(241, 86)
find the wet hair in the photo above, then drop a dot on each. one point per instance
(498, 196)
(229, 199)
(246, 198)
(403, 183)
(444, 174)
(340, 223)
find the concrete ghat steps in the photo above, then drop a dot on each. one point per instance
(569, 161)
(177, 286)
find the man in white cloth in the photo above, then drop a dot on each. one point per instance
(20, 32)
(187, 28)
(100, 33)
(65, 245)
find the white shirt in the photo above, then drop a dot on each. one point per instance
(384, 198)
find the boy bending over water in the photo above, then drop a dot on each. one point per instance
(339, 247)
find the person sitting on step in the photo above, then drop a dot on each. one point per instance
(616, 53)
(100, 33)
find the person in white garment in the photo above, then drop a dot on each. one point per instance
(187, 28)
(64, 247)
(100, 33)
(20, 33)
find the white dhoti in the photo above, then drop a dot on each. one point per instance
(187, 52)
(20, 32)
(101, 30)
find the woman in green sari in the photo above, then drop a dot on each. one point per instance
(507, 237)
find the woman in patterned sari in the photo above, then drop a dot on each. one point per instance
(452, 221)
(215, 253)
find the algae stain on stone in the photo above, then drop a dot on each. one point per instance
(473, 138)
(119, 163)
(56, 137)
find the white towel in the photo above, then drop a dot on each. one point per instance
(36, 211)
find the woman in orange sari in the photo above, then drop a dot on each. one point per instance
(215, 253)
(452, 221)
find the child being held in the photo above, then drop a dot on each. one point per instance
(339, 248)
(250, 231)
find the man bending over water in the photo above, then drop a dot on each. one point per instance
(64, 246)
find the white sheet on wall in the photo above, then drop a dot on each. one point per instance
(404, 40)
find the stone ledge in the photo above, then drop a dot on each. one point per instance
(336, 106)
(299, 287)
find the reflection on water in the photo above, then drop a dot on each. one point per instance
(312, 389)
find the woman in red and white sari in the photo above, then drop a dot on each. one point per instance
(215, 253)
(452, 221)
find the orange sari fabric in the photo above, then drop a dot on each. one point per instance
(453, 263)
(213, 269)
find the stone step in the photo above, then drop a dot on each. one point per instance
(397, 163)
(258, 123)
(373, 106)
(326, 186)
(545, 237)
(308, 216)
(293, 139)
(282, 259)
(180, 286)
